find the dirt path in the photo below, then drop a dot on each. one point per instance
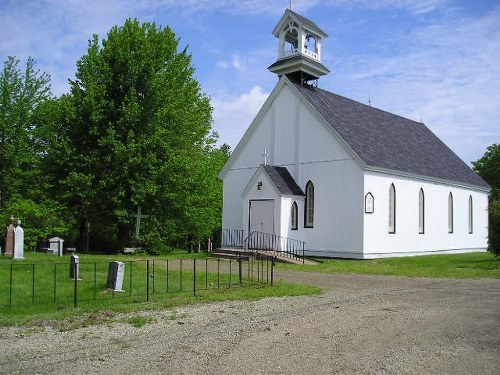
(360, 325)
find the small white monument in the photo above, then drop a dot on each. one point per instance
(19, 241)
(116, 272)
(56, 245)
(74, 270)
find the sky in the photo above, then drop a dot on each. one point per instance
(435, 61)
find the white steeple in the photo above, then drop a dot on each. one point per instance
(299, 47)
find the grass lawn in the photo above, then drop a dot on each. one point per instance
(458, 266)
(37, 290)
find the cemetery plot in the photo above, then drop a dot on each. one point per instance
(135, 280)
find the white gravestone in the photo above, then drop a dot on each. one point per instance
(74, 270)
(56, 245)
(116, 272)
(19, 241)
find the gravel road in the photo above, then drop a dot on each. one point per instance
(359, 325)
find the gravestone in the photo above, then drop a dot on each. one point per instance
(19, 241)
(116, 271)
(74, 269)
(9, 239)
(56, 245)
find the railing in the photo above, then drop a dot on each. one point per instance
(280, 246)
(232, 238)
(26, 284)
(305, 51)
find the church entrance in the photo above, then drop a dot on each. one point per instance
(261, 216)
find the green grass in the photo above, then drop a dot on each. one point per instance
(47, 294)
(64, 318)
(458, 266)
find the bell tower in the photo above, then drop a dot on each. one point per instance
(299, 48)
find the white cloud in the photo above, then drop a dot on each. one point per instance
(232, 116)
(445, 74)
(235, 63)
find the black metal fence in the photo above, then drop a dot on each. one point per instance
(54, 283)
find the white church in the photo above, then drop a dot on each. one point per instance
(345, 179)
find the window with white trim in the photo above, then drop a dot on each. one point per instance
(471, 216)
(392, 209)
(309, 206)
(421, 211)
(450, 213)
(294, 216)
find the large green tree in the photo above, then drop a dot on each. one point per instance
(488, 168)
(140, 135)
(21, 92)
(23, 184)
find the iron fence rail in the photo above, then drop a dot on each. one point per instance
(50, 283)
(273, 243)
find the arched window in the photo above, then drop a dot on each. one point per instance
(294, 216)
(450, 213)
(421, 211)
(392, 209)
(309, 206)
(471, 218)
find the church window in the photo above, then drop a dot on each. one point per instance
(471, 220)
(309, 206)
(294, 216)
(392, 209)
(421, 211)
(450, 213)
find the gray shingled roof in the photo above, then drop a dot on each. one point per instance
(298, 58)
(385, 140)
(307, 23)
(283, 180)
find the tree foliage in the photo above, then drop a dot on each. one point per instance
(134, 131)
(141, 136)
(23, 184)
(488, 168)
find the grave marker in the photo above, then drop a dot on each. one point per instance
(116, 271)
(9, 239)
(74, 270)
(19, 241)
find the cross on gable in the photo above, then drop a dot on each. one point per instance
(138, 216)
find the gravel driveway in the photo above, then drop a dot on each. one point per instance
(360, 325)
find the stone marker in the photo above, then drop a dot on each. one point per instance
(56, 245)
(9, 239)
(116, 271)
(74, 267)
(19, 241)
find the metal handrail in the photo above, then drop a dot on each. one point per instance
(278, 245)
(232, 238)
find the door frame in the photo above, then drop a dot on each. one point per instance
(250, 212)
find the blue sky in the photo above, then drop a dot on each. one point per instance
(432, 60)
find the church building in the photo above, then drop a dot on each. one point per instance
(344, 178)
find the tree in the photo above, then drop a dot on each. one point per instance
(488, 168)
(140, 136)
(20, 95)
(23, 184)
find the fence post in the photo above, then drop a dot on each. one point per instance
(153, 275)
(55, 281)
(95, 279)
(240, 271)
(272, 270)
(10, 286)
(194, 277)
(147, 280)
(33, 286)
(76, 285)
